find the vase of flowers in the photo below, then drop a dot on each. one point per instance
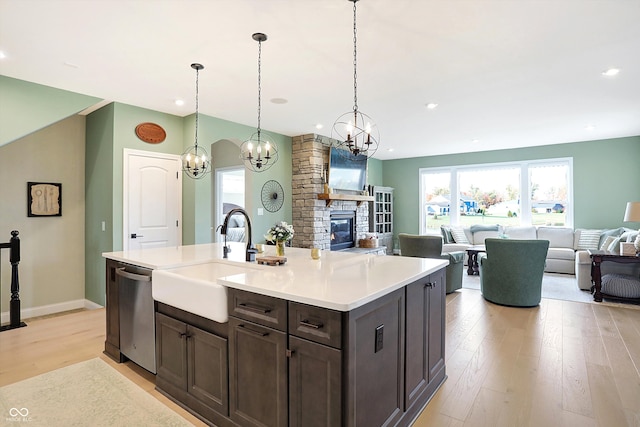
(280, 234)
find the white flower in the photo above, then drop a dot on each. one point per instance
(281, 231)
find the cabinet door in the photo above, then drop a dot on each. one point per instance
(112, 342)
(374, 353)
(315, 382)
(257, 374)
(436, 312)
(208, 369)
(171, 351)
(416, 347)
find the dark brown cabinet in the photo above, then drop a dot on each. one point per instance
(424, 365)
(192, 366)
(112, 341)
(315, 366)
(258, 359)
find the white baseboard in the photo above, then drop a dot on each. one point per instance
(45, 310)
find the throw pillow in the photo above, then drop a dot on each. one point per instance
(446, 234)
(615, 246)
(606, 233)
(459, 236)
(607, 242)
(589, 239)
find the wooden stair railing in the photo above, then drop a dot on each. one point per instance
(14, 304)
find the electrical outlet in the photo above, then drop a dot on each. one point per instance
(379, 338)
(104, 226)
(260, 211)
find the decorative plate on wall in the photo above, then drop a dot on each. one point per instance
(272, 196)
(151, 133)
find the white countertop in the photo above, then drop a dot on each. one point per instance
(338, 280)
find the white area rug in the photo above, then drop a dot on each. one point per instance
(89, 393)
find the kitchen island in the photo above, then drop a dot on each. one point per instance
(349, 339)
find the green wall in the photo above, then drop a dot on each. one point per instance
(605, 177)
(27, 107)
(374, 172)
(111, 129)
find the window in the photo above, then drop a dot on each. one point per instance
(509, 194)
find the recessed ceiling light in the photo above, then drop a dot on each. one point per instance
(71, 64)
(475, 141)
(432, 106)
(611, 72)
(590, 128)
(179, 102)
(279, 100)
(2, 55)
(319, 126)
(390, 149)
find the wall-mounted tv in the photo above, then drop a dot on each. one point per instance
(346, 171)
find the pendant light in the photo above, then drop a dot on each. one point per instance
(259, 152)
(195, 160)
(355, 130)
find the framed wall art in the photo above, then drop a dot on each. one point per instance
(44, 199)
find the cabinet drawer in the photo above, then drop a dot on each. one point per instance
(261, 309)
(316, 324)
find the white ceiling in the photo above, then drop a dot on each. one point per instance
(508, 73)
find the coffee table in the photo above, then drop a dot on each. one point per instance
(472, 262)
(597, 258)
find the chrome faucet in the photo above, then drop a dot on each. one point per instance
(251, 251)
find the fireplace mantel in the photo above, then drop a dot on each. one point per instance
(330, 197)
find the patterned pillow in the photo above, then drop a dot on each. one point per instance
(607, 242)
(621, 285)
(446, 234)
(459, 236)
(589, 239)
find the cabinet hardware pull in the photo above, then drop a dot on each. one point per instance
(428, 285)
(136, 277)
(309, 324)
(289, 353)
(258, 333)
(254, 308)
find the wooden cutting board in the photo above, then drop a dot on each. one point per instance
(271, 260)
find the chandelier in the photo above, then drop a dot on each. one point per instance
(259, 152)
(195, 160)
(354, 129)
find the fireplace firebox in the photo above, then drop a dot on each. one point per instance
(343, 229)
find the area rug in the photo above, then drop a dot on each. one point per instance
(89, 393)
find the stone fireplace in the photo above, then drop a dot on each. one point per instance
(312, 217)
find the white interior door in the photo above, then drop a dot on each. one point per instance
(152, 200)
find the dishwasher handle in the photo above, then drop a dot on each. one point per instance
(137, 277)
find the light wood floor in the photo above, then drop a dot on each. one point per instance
(560, 364)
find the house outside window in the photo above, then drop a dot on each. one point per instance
(538, 192)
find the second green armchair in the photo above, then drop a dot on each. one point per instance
(431, 247)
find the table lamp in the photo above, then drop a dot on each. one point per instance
(632, 214)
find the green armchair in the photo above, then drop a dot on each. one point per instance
(431, 247)
(511, 271)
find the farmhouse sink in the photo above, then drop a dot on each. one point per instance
(195, 288)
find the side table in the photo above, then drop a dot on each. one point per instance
(472, 262)
(597, 258)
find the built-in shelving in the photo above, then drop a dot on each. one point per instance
(330, 197)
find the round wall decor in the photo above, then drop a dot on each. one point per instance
(151, 133)
(272, 196)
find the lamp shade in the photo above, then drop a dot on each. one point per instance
(632, 213)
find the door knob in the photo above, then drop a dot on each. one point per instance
(135, 236)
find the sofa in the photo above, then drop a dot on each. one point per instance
(567, 252)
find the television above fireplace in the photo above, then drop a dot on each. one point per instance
(346, 171)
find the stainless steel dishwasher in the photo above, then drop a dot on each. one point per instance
(137, 316)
